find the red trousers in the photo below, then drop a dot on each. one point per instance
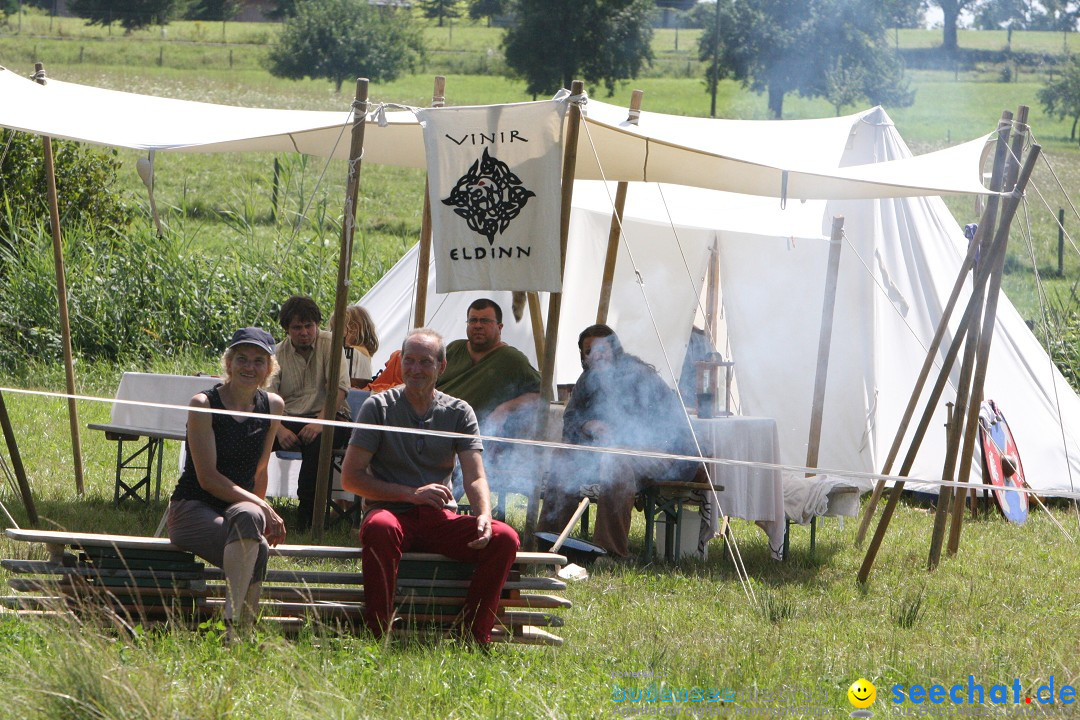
(385, 535)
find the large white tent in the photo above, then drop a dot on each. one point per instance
(763, 192)
(898, 264)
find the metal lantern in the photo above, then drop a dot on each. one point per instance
(708, 385)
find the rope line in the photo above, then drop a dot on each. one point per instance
(711, 460)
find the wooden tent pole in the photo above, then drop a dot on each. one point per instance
(537, 323)
(965, 391)
(997, 250)
(828, 306)
(712, 293)
(61, 297)
(551, 337)
(952, 443)
(986, 222)
(616, 225)
(547, 370)
(438, 99)
(16, 463)
(986, 336)
(348, 230)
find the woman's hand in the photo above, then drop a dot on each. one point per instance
(274, 531)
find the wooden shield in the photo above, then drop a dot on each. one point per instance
(1001, 463)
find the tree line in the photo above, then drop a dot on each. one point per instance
(832, 49)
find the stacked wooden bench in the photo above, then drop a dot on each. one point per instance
(148, 580)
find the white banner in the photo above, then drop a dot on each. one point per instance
(494, 185)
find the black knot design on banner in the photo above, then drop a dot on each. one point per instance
(488, 196)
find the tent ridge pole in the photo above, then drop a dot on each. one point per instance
(348, 230)
(61, 296)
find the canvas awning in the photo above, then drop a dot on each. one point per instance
(750, 157)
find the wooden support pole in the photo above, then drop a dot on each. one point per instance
(616, 226)
(965, 391)
(989, 321)
(438, 99)
(997, 251)
(828, 307)
(986, 224)
(537, 323)
(61, 298)
(712, 295)
(551, 337)
(16, 463)
(573, 122)
(348, 230)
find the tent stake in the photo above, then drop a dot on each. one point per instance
(438, 99)
(16, 463)
(348, 230)
(61, 297)
(997, 252)
(616, 225)
(987, 220)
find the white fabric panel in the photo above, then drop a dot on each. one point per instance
(742, 156)
(495, 190)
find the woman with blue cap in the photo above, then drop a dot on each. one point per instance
(219, 509)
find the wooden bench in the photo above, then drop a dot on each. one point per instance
(147, 428)
(148, 580)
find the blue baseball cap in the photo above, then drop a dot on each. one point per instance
(253, 336)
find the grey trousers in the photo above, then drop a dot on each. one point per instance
(204, 530)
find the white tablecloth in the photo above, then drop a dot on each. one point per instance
(750, 493)
(164, 389)
(755, 494)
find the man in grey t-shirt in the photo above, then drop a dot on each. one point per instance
(404, 478)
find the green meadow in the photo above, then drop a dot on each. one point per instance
(1003, 610)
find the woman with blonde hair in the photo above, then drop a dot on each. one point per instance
(361, 341)
(219, 509)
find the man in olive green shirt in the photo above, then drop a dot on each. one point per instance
(496, 379)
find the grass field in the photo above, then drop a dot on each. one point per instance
(1004, 609)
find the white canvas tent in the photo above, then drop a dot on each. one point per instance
(898, 264)
(902, 253)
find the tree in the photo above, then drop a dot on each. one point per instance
(213, 10)
(441, 9)
(1060, 96)
(553, 42)
(486, 9)
(345, 39)
(783, 46)
(131, 14)
(951, 10)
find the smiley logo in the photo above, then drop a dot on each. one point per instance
(862, 693)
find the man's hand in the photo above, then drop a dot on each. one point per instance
(596, 429)
(287, 438)
(483, 532)
(274, 532)
(310, 432)
(433, 495)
